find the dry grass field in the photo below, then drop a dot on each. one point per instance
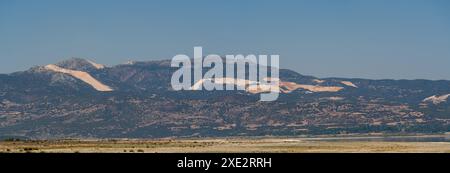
(263, 145)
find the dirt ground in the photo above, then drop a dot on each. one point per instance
(266, 145)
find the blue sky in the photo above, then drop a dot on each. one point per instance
(397, 39)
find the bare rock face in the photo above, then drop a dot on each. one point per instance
(81, 75)
(437, 99)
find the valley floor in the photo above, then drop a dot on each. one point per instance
(222, 145)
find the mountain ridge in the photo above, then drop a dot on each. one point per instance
(39, 103)
(166, 62)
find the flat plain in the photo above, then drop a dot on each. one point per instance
(224, 145)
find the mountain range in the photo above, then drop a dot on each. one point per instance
(78, 98)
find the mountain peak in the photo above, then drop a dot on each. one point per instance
(79, 64)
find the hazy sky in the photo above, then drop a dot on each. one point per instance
(336, 38)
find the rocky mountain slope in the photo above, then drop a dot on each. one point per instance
(78, 98)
